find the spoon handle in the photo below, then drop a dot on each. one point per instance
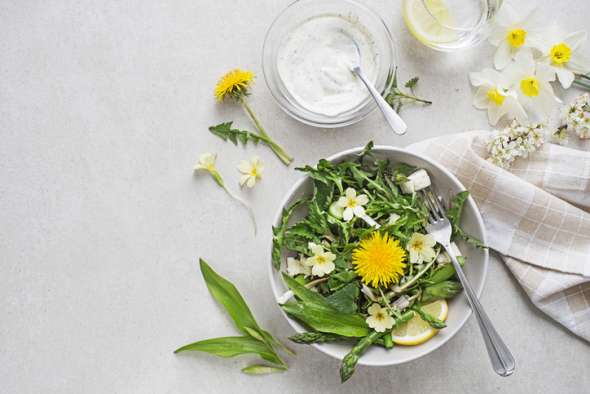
(397, 124)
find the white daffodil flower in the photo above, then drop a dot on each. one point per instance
(495, 94)
(297, 267)
(352, 204)
(379, 318)
(562, 54)
(322, 262)
(513, 31)
(421, 248)
(532, 85)
(251, 171)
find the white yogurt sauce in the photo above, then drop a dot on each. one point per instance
(314, 63)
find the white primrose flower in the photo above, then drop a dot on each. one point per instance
(206, 162)
(297, 266)
(533, 85)
(251, 171)
(514, 141)
(379, 318)
(562, 54)
(577, 116)
(514, 31)
(352, 204)
(496, 94)
(321, 262)
(421, 248)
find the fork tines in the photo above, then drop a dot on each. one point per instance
(435, 207)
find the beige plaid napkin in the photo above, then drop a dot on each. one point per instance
(537, 215)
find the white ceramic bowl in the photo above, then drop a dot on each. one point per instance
(476, 267)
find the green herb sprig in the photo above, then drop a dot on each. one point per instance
(397, 98)
(255, 340)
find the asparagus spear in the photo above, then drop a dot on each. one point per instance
(351, 359)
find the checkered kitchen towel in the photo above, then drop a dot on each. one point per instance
(537, 215)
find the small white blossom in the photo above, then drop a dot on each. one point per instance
(560, 135)
(512, 142)
(421, 248)
(577, 116)
(321, 262)
(251, 171)
(379, 318)
(352, 204)
(297, 266)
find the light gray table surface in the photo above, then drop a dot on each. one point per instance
(104, 109)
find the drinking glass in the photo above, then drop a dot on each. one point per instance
(449, 25)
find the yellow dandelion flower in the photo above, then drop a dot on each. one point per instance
(379, 260)
(234, 84)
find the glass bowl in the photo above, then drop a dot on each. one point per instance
(299, 12)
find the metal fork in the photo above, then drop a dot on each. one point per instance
(440, 228)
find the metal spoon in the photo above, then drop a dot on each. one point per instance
(395, 121)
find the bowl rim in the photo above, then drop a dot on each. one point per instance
(470, 201)
(366, 108)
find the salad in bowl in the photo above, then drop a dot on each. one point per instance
(353, 267)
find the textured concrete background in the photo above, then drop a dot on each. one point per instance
(104, 108)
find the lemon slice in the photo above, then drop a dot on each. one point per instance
(426, 20)
(416, 330)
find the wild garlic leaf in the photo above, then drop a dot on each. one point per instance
(227, 295)
(231, 347)
(259, 369)
(226, 132)
(345, 299)
(327, 320)
(305, 294)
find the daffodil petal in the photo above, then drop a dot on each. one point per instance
(579, 63)
(574, 40)
(565, 76)
(503, 55)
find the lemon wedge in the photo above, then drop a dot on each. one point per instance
(416, 330)
(426, 20)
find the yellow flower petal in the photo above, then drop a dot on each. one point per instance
(379, 260)
(234, 84)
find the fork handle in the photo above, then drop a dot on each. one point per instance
(500, 355)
